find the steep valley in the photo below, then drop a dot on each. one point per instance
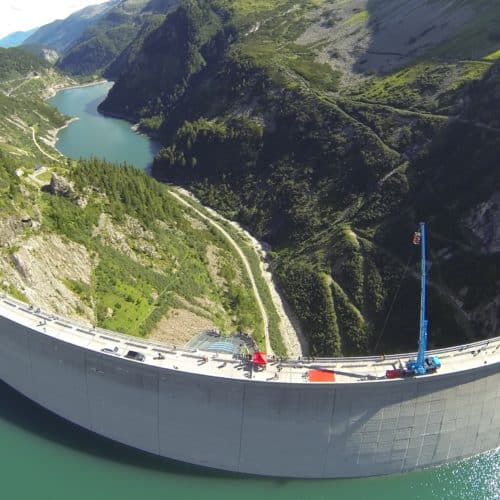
(301, 122)
(109, 245)
(328, 129)
(296, 147)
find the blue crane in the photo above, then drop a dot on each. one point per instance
(422, 364)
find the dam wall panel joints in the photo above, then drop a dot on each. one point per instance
(203, 415)
(268, 428)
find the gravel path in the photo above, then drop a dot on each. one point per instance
(293, 338)
(242, 256)
(39, 148)
(291, 333)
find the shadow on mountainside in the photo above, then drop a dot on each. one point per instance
(400, 31)
(453, 185)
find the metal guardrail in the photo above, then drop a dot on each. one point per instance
(108, 335)
(171, 349)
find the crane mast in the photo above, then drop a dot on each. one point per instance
(422, 364)
(422, 342)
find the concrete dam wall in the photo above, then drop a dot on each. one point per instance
(324, 430)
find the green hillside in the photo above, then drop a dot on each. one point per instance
(61, 34)
(24, 80)
(106, 38)
(16, 63)
(333, 155)
(107, 243)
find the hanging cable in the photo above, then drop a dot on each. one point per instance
(386, 320)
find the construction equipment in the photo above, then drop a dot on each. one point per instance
(422, 364)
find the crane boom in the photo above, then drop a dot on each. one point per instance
(421, 365)
(422, 342)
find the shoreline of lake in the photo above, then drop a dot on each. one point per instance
(122, 144)
(53, 90)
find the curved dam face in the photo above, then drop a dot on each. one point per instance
(325, 430)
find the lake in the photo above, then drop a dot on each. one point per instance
(43, 457)
(94, 135)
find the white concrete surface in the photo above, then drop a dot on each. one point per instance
(209, 410)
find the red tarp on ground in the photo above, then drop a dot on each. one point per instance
(321, 376)
(259, 358)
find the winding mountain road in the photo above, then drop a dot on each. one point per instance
(39, 148)
(243, 258)
(30, 77)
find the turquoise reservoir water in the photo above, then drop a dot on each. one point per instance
(43, 457)
(94, 135)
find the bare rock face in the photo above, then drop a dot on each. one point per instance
(9, 229)
(130, 238)
(484, 222)
(51, 56)
(113, 236)
(41, 269)
(60, 186)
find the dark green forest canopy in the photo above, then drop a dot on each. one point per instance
(16, 63)
(161, 263)
(334, 175)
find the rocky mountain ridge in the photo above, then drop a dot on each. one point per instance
(89, 40)
(61, 34)
(16, 38)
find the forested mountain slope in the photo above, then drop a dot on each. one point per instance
(62, 33)
(17, 63)
(92, 38)
(105, 243)
(106, 38)
(330, 129)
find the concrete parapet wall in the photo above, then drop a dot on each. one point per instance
(267, 428)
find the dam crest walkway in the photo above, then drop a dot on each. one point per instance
(347, 370)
